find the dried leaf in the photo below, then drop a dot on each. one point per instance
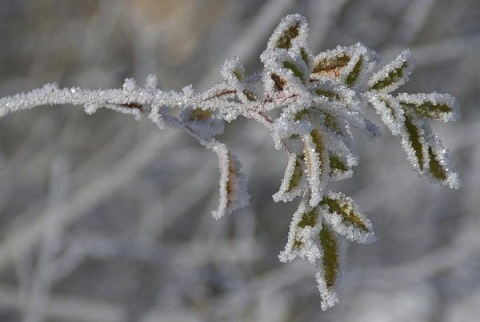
(233, 184)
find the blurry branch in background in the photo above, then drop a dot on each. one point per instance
(309, 103)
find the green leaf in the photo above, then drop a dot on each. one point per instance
(297, 175)
(436, 169)
(289, 34)
(333, 124)
(413, 142)
(338, 168)
(330, 94)
(345, 218)
(355, 73)
(302, 236)
(306, 57)
(331, 255)
(309, 218)
(296, 70)
(316, 162)
(291, 185)
(435, 106)
(440, 169)
(393, 75)
(390, 111)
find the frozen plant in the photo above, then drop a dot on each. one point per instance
(309, 103)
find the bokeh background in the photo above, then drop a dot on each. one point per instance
(103, 218)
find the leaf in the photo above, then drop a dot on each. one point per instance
(233, 71)
(330, 258)
(282, 70)
(348, 65)
(330, 64)
(233, 184)
(292, 183)
(393, 75)
(390, 112)
(290, 34)
(316, 162)
(435, 106)
(339, 169)
(297, 72)
(302, 237)
(413, 143)
(328, 267)
(336, 93)
(345, 218)
(278, 81)
(440, 169)
(306, 57)
(198, 114)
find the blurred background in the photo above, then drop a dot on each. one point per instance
(103, 218)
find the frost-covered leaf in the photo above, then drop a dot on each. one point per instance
(435, 106)
(393, 75)
(296, 69)
(316, 163)
(290, 34)
(339, 167)
(233, 73)
(440, 169)
(331, 63)
(335, 92)
(328, 267)
(292, 183)
(389, 110)
(202, 121)
(233, 184)
(283, 70)
(348, 65)
(413, 142)
(302, 236)
(346, 219)
(307, 57)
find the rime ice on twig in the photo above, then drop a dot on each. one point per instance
(317, 100)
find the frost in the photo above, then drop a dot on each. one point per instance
(129, 85)
(151, 82)
(309, 104)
